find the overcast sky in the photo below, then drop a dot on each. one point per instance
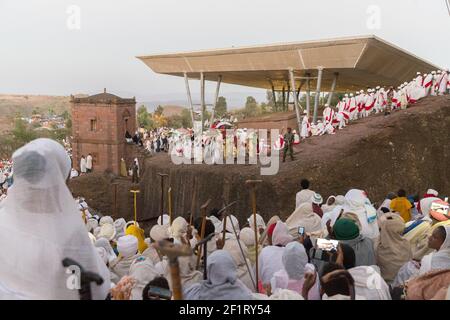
(41, 54)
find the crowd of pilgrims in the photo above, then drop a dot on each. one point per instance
(399, 249)
(351, 107)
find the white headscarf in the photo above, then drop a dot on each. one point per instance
(91, 224)
(119, 224)
(281, 234)
(438, 259)
(165, 220)
(295, 265)
(331, 215)
(107, 231)
(127, 246)
(143, 271)
(259, 221)
(357, 202)
(247, 236)
(326, 207)
(304, 216)
(106, 220)
(295, 260)
(158, 232)
(229, 226)
(40, 225)
(232, 246)
(102, 253)
(222, 283)
(104, 243)
(340, 200)
(369, 283)
(178, 229)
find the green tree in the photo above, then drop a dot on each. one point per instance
(270, 100)
(159, 111)
(221, 107)
(264, 108)
(186, 118)
(65, 115)
(251, 107)
(50, 111)
(22, 133)
(143, 116)
(69, 124)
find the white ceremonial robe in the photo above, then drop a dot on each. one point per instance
(83, 165)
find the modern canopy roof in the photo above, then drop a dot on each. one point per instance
(365, 61)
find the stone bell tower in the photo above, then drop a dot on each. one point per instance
(99, 124)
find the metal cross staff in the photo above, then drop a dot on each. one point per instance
(135, 210)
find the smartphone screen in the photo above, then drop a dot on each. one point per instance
(327, 245)
(301, 231)
(159, 292)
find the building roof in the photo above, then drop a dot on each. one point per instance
(104, 97)
(364, 61)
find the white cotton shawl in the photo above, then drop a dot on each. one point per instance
(304, 216)
(40, 225)
(357, 202)
(439, 259)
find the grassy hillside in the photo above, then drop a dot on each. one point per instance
(11, 105)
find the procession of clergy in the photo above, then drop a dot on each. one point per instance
(400, 250)
(351, 107)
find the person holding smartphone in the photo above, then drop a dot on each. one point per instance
(157, 289)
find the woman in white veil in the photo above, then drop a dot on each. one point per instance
(40, 225)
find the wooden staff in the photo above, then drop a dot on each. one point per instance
(194, 195)
(169, 198)
(134, 192)
(202, 232)
(161, 211)
(224, 229)
(172, 252)
(252, 184)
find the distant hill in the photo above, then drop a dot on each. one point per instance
(10, 105)
(170, 111)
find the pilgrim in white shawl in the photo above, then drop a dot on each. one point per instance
(41, 215)
(270, 258)
(439, 259)
(222, 281)
(292, 275)
(127, 246)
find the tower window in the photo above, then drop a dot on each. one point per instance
(93, 124)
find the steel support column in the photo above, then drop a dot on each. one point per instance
(219, 81)
(333, 87)
(275, 105)
(296, 104)
(202, 97)
(317, 96)
(188, 91)
(308, 96)
(288, 95)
